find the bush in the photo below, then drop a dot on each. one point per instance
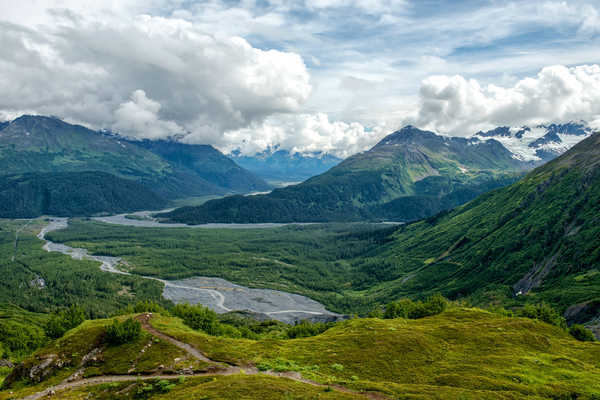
(543, 312)
(581, 333)
(306, 329)
(59, 323)
(123, 332)
(406, 308)
(198, 317)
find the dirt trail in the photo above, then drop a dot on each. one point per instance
(219, 370)
(145, 318)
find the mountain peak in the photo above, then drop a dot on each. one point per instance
(408, 134)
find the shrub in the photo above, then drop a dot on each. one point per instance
(581, 333)
(337, 367)
(306, 329)
(164, 386)
(406, 308)
(543, 312)
(198, 317)
(123, 332)
(59, 323)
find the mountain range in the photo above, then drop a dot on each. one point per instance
(537, 238)
(410, 174)
(282, 166)
(169, 170)
(540, 143)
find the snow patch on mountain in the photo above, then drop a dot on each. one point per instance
(539, 143)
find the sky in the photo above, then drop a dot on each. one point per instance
(302, 75)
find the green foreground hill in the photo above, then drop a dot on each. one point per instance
(462, 353)
(410, 174)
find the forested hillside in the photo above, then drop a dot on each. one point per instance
(37, 144)
(72, 194)
(536, 239)
(410, 174)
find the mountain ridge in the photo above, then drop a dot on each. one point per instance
(47, 144)
(426, 169)
(537, 237)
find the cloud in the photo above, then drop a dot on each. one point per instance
(459, 106)
(138, 117)
(305, 133)
(182, 78)
(368, 6)
(225, 70)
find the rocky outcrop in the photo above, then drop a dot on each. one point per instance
(36, 370)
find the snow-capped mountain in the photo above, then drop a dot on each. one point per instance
(541, 143)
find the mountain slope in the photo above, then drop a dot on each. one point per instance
(45, 144)
(536, 239)
(208, 163)
(410, 174)
(72, 194)
(461, 353)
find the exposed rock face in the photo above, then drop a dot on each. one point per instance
(587, 313)
(36, 372)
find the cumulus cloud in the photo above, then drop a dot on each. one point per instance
(159, 68)
(182, 78)
(305, 133)
(460, 106)
(369, 6)
(139, 117)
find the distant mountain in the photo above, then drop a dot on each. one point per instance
(72, 194)
(208, 163)
(541, 143)
(410, 174)
(281, 166)
(48, 145)
(537, 239)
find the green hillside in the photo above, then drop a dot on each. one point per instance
(72, 193)
(208, 163)
(48, 145)
(410, 174)
(537, 239)
(462, 353)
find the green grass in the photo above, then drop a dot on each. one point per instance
(463, 353)
(466, 349)
(222, 387)
(145, 355)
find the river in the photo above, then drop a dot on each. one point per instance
(215, 293)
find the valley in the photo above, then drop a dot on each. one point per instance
(216, 294)
(503, 331)
(300, 200)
